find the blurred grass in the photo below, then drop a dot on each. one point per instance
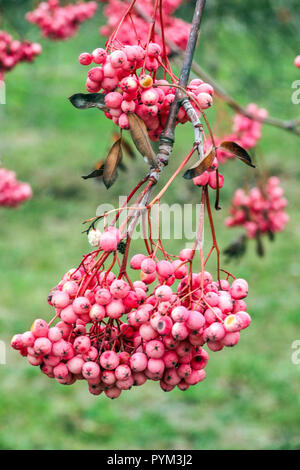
(250, 398)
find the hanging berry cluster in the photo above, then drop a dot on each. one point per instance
(127, 88)
(61, 22)
(115, 333)
(261, 211)
(13, 52)
(175, 29)
(12, 191)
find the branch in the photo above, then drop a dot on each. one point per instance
(167, 137)
(287, 125)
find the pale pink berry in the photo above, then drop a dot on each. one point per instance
(184, 370)
(138, 362)
(139, 379)
(155, 349)
(109, 360)
(108, 242)
(75, 365)
(231, 339)
(195, 320)
(99, 56)
(115, 309)
(82, 344)
(148, 266)
(42, 346)
(163, 293)
(113, 392)
(34, 361)
(205, 100)
(179, 331)
(90, 370)
(81, 305)
(113, 99)
(122, 372)
(125, 384)
(147, 332)
(119, 289)
(85, 58)
(40, 328)
(60, 300)
(71, 288)
(91, 355)
(103, 296)
(215, 332)
(60, 371)
(16, 342)
(164, 269)
(186, 254)
(180, 314)
(97, 312)
(28, 339)
(118, 59)
(170, 359)
(239, 289)
(171, 377)
(156, 366)
(68, 315)
(136, 261)
(195, 377)
(108, 377)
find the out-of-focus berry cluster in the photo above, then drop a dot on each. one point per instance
(12, 191)
(259, 211)
(13, 52)
(61, 22)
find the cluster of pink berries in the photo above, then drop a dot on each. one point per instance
(297, 61)
(259, 211)
(116, 334)
(176, 30)
(127, 92)
(61, 22)
(13, 51)
(12, 192)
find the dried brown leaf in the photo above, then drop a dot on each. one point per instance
(111, 164)
(140, 137)
(201, 167)
(237, 151)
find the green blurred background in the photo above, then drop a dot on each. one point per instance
(250, 399)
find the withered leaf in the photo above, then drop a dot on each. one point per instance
(88, 100)
(111, 164)
(126, 146)
(94, 173)
(139, 134)
(237, 151)
(201, 167)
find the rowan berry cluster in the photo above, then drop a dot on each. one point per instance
(260, 210)
(61, 22)
(12, 192)
(175, 29)
(130, 90)
(13, 51)
(116, 334)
